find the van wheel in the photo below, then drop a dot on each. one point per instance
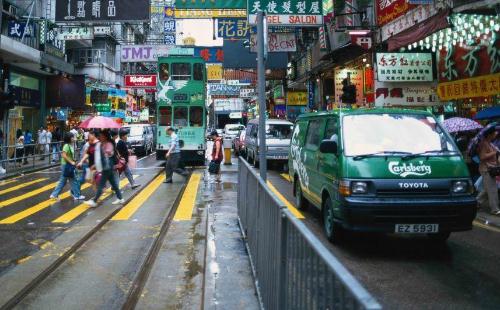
(334, 233)
(440, 237)
(300, 201)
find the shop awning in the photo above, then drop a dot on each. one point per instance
(345, 53)
(488, 113)
(419, 31)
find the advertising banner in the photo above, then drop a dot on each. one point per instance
(296, 98)
(276, 42)
(76, 33)
(481, 86)
(16, 29)
(49, 41)
(71, 11)
(208, 13)
(405, 94)
(140, 80)
(404, 67)
(228, 105)
(214, 72)
(102, 30)
(408, 20)
(210, 54)
(212, 4)
(223, 90)
(287, 12)
(388, 10)
(356, 77)
(233, 28)
(150, 53)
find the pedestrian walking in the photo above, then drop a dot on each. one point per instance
(488, 156)
(105, 160)
(217, 154)
(28, 145)
(124, 152)
(173, 157)
(68, 170)
(19, 153)
(56, 144)
(87, 158)
(42, 142)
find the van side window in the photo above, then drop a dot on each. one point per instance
(313, 134)
(298, 133)
(331, 129)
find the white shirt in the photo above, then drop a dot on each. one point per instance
(42, 137)
(74, 132)
(48, 138)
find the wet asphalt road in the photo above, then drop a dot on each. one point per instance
(19, 240)
(413, 273)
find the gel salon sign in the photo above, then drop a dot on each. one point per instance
(403, 169)
(140, 80)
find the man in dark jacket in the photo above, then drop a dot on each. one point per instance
(123, 151)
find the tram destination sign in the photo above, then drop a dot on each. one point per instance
(298, 13)
(76, 11)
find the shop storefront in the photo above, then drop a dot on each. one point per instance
(296, 104)
(65, 98)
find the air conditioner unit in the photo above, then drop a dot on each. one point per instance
(12, 10)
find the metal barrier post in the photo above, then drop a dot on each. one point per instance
(282, 287)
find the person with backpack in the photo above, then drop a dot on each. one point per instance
(68, 170)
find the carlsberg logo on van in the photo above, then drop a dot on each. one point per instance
(404, 169)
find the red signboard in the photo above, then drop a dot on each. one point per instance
(389, 10)
(466, 61)
(140, 80)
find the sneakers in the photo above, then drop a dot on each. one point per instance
(118, 202)
(91, 203)
(55, 198)
(81, 197)
(135, 186)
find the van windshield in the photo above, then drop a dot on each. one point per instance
(135, 131)
(279, 131)
(393, 133)
(234, 129)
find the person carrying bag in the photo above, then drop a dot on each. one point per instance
(217, 155)
(489, 167)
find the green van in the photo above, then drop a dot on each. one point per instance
(381, 170)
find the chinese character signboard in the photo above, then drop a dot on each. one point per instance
(223, 90)
(404, 67)
(276, 42)
(76, 33)
(140, 80)
(209, 13)
(461, 62)
(482, 86)
(233, 28)
(405, 94)
(169, 26)
(76, 11)
(287, 12)
(210, 54)
(16, 29)
(388, 10)
(211, 4)
(49, 39)
(356, 77)
(296, 98)
(214, 72)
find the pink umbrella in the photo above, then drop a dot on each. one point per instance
(99, 122)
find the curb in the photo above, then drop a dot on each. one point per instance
(483, 219)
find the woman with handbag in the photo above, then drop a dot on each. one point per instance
(68, 170)
(489, 167)
(105, 162)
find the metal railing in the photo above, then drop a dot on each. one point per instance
(293, 270)
(17, 158)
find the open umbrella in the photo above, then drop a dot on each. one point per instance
(457, 124)
(100, 122)
(478, 138)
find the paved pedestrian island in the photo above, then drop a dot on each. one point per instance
(171, 246)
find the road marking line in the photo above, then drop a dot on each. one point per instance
(186, 205)
(13, 188)
(27, 195)
(287, 203)
(81, 208)
(37, 208)
(286, 176)
(130, 208)
(2, 183)
(488, 227)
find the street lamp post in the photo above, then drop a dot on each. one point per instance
(261, 87)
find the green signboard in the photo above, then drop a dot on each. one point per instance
(103, 107)
(287, 12)
(210, 4)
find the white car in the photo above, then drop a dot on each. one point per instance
(231, 131)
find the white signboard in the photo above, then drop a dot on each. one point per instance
(150, 53)
(102, 30)
(247, 92)
(410, 19)
(228, 105)
(404, 67)
(405, 94)
(356, 77)
(276, 42)
(76, 33)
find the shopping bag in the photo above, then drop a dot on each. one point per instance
(132, 161)
(89, 175)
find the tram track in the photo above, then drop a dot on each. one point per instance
(142, 273)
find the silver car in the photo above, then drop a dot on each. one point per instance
(141, 138)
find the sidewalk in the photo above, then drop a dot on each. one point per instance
(488, 219)
(32, 166)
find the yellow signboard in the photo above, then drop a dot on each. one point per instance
(481, 86)
(296, 98)
(214, 72)
(210, 13)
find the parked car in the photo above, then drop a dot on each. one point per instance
(141, 138)
(239, 144)
(231, 131)
(278, 134)
(393, 171)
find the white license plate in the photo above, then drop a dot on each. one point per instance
(416, 228)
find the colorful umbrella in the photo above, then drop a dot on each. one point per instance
(457, 124)
(472, 148)
(100, 122)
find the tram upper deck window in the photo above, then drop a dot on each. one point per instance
(198, 72)
(165, 116)
(181, 71)
(164, 73)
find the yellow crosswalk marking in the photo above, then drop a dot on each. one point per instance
(81, 208)
(13, 188)
(185, 210)
(27, 195)
(130, 208)
(37, 208)
(287, 203)
(2, 183)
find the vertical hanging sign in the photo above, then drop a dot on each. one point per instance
(169, 26)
